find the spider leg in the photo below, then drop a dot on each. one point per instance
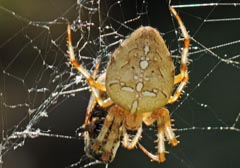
(109, 141)
(103, 103)
(113, 139)
(149, 154)
(79, 67)
(104, 131)
(164, 131)
(181, 78)
(95, 85)
(96, 69)
(131, 143)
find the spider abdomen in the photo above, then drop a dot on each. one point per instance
(140, 74)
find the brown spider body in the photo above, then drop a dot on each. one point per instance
(138, 83)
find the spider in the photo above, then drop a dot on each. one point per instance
(139, 81)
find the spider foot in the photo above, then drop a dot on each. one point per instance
(165, 129)
(165, 134)
(96, 146)
(106, 157)
(160, 146)
(99, 152)
(170, 136)
(159, 157)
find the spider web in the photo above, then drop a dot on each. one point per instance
(43, 100)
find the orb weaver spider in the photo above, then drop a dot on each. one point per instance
(138, 83)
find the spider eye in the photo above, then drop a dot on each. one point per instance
(133, 67)
(153, 71)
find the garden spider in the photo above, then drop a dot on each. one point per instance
(137, 84)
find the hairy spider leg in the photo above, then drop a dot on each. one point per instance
(113, 139)
(181, 78)
(165, 131)
(111, 131)
(95, 86)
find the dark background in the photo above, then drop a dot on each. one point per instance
(219, 91)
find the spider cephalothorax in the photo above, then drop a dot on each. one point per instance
(138, 83)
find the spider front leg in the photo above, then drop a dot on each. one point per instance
(164, 131)
(95, 85)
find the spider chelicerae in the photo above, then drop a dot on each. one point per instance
(139, 81)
